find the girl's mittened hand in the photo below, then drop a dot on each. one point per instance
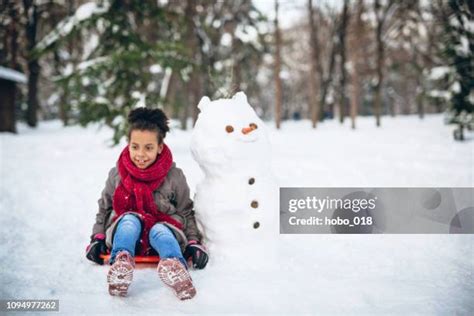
(95, 249)
(197, 253)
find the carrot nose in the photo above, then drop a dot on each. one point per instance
(246, 130)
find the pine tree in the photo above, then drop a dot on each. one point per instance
(122, 41)
(456, 72)
(459, 51)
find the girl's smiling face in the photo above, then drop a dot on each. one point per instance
(144, 147)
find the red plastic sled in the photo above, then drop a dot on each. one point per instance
(138, 259)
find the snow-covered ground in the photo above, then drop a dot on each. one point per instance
(51, 179)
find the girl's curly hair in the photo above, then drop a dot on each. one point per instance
(150, 120)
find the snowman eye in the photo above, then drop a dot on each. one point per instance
(229, 129)
(253, 126)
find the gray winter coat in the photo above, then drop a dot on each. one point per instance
(171, 198)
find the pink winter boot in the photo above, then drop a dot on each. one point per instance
(121, 274)
(174, 274)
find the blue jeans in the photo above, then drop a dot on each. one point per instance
(161, 238)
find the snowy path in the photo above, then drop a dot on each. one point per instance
(51, 179)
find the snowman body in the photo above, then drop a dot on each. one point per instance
(237, 198)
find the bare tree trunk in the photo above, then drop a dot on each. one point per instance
(237, 77)
(62, 106)
(193, 85)
(420, 83)
(196, 95)
(314, 57)
(13, 36)
(184, 116)
(326, 80)
(378, 86)
(342, 53)
(7, 105)
(355, 97)
(31, 13)
(181, 103)
(63, 112)
(278, 89)
(420, 98)
(8, 88)
(379, 62)
(356, 55)
(236, 72)
(167, 91)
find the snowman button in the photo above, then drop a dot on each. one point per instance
(254, 204)
(256, 225)
(251, 181)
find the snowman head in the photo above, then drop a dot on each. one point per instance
(229, 136)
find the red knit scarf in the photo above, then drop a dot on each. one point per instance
(135, 193)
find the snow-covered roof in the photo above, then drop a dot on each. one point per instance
(12, 75)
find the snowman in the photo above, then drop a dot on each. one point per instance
(237, 199)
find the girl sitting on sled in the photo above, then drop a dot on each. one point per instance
(145, 209)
